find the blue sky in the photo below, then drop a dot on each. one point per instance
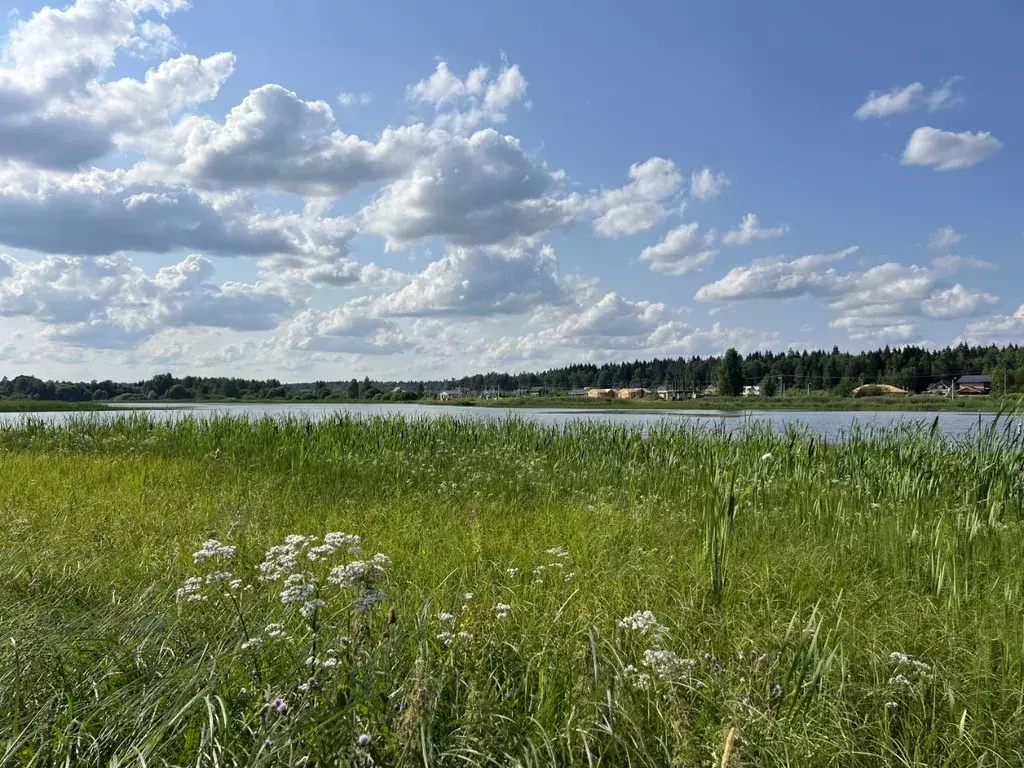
(335, 190)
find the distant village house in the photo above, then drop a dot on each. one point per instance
(632, 393)
(974, 385)
(598, 393)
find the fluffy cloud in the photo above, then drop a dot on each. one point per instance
(886, 296)
(102, 212)
(108, 302)
(351, 328)
(476, 190)
(907, 98)
(957, 301)
(275, 139)
(948, 151)
(347, 99)
(999, 328)
(706, 185)
(777, 278)
(463, 104)
(482, 281)
(944, 237)
(55, 108)
(612, 317)
(899, 99)
(876, 329)
(751, 230)
(682, 251)
(638, 205)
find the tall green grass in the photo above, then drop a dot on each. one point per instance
(781, 572)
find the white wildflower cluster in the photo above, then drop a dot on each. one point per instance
(298, 588)
(360, 574)
(288, 563)
(212, 549)
(502, 610)
(335, 542)
(641, 681)
(192, 590)
(328, 661)
(272, 633)
(920, 668)
(450, 633)
(450, 638)
(282, 559)
(909, 671)
(659, 664)
(559, 554)
(643, 623)
(667, 665)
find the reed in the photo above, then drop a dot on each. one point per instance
(582, 595)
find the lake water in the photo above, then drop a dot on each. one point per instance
(826, 423)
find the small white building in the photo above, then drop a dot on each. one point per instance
(752, 390)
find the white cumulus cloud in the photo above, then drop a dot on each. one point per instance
(944, 237)
(947, 151)
(683, 250)
(750, 230)
(706, 185)
(909, 97)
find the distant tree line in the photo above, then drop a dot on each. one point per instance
(910, 368)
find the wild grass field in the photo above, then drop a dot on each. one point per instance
(391, 592)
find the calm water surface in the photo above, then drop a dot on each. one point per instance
(826, 423)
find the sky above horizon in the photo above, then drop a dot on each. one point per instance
(403, 191)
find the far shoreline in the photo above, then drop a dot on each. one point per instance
(824, 403)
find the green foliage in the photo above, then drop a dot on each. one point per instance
(769, 386)
(729, 376)
(847, 603)
(179, 392)
(910, 368)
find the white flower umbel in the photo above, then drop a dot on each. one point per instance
(667, 665)
(212, 549)
(192, 591)
(297, 589)
(360, 573)
(642, 622)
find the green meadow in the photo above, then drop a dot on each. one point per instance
(385, 591)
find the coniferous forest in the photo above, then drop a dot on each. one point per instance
(910, 368)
